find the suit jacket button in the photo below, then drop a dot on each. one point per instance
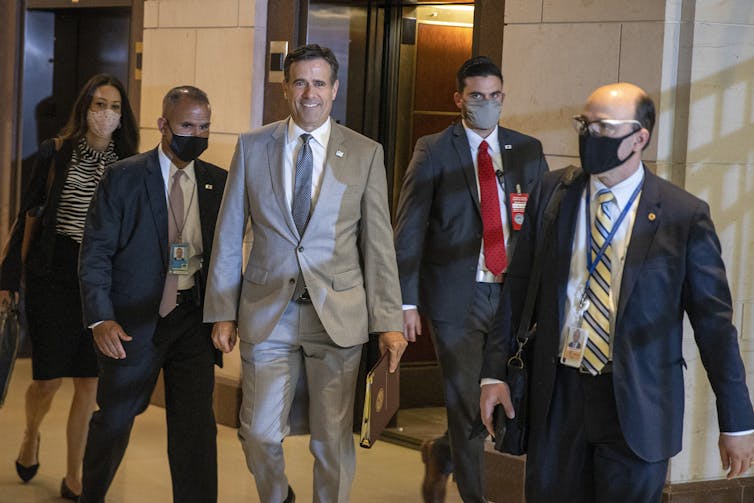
(291, 281)
(300, 248)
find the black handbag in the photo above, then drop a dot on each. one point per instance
(512, 435)
(10, 328)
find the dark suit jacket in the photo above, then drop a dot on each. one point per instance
(35, 195)
(438, 234)
(124, 254)
(673, 265)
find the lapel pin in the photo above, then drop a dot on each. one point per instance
(508, 147)
(208, 186)
(339, 153)
(652, 217)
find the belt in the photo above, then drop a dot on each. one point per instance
(303, 298)
(483, 276)
(184, 296)
(607, 369)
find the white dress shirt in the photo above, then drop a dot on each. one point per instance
(192, 228)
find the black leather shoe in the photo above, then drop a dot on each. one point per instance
(291, 498)
(66, 493)
(26, 473)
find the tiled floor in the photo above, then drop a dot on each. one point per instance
(385, 473)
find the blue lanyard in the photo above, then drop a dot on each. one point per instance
(592, 266)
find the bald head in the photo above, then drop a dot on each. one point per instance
(622, 100)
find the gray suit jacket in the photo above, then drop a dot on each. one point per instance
(346, 254)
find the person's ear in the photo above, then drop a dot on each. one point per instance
(641, 138)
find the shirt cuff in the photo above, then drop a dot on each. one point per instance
(737, 433)
(408, 307)
(489, 380)
(97, 323)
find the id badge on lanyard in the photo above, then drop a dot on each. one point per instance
(179, 253)
(576, 334)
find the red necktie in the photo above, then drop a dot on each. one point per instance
(494, 242)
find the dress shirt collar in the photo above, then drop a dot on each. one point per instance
(321, 135)
(475, 140)
(168, 168)
(621, 191)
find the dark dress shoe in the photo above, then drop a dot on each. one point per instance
(66, 493)
(26, 473)
(291, 498)
(435, 480)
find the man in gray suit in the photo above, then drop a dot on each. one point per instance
(460, 211)
(320, 277)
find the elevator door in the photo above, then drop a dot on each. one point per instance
(63, 48)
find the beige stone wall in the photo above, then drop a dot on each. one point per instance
(555, 52)
(215, 45)
(218, 46)
(696, 59)
(719, 168)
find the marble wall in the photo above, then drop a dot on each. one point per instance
(555, 52)
(720, 170)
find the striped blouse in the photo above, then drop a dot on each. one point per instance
(87, 166)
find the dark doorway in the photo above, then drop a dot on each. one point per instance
(63, 48)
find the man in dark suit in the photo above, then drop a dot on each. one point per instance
(603, 425)
(459, 213)
(146, 316)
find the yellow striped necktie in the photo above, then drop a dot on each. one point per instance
(598, 315)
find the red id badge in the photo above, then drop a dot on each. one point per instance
(518, 205)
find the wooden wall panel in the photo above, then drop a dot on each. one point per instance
(440, 51)
(425, 124)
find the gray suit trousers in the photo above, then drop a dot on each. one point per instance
(271, 370)
(460, 347)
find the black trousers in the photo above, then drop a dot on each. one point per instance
(184, 351)
(581, 456)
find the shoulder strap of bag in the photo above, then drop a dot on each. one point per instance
(58, 144)
(551, 213)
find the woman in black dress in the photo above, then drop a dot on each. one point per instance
(100, 130)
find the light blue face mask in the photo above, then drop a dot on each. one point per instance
(482, 114)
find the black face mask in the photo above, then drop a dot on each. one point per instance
(187, 148)
(599, 154)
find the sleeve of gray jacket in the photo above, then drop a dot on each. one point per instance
(378, 253)
(224, 278)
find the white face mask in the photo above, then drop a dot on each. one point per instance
(103, 122)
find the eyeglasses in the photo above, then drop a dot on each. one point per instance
(601, 127)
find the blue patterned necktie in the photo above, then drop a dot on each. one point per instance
(302, 192)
